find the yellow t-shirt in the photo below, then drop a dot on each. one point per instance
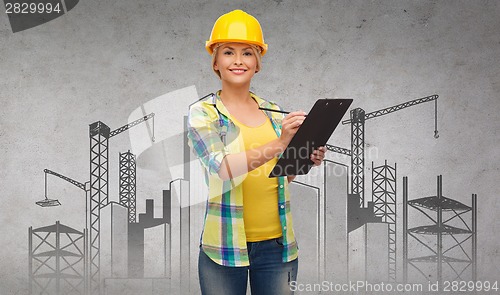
(260, 193)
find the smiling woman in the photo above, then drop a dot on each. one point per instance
(256, 52)
(248, 230)
(235, 63)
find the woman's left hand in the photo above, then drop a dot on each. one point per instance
(318, 155)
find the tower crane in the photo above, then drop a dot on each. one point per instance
(357, 151)
(49, 202)
(54, 202)
(99, 135)
(73, 182)
(97, 187)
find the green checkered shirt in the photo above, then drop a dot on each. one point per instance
(211, 136)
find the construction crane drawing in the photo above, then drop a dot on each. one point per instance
(357, 151)
(54, 202)
(99, 134)
(386, 209)
(128, 184)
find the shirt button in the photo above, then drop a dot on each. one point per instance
(281, 186)
(282, 206)
(284, 228)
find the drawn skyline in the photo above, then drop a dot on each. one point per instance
(368, 229)
(109, 62)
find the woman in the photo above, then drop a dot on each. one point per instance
(248, 225)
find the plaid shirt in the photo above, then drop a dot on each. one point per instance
(211, 136)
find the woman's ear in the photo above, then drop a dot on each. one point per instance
(216, 67)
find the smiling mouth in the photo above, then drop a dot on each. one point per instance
(238, 71)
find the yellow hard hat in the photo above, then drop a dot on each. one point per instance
(237, 26)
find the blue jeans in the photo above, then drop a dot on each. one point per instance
(268, 274)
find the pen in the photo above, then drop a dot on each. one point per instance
(271, 110)
(277, 111)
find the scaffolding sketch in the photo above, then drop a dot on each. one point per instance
(97, 191)
(447, 256)
(100, 134)
(382, 208)
(57, 261)
(128, 184)
(357, 152)
(384, 201)
(339, 224)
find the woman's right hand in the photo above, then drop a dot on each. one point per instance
(290, 125)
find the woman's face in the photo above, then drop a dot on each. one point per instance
(236, 63)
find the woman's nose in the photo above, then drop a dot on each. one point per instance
(237, 60)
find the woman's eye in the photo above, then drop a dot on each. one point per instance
(228, 52)
(248, 53)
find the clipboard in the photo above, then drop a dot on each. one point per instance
(315, 131)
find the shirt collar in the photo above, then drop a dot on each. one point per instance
(217, 102)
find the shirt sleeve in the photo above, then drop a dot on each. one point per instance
(204, 139)
(277, 117)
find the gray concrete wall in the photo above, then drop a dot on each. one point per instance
(104, 59)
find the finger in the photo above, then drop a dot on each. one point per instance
(319, 154)
(295, 114)
(294, 123)
(298, 119)
(298, 123)
(292, 117)
(295, 126)
(288, 121)
(320, 151)
(316, 161)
